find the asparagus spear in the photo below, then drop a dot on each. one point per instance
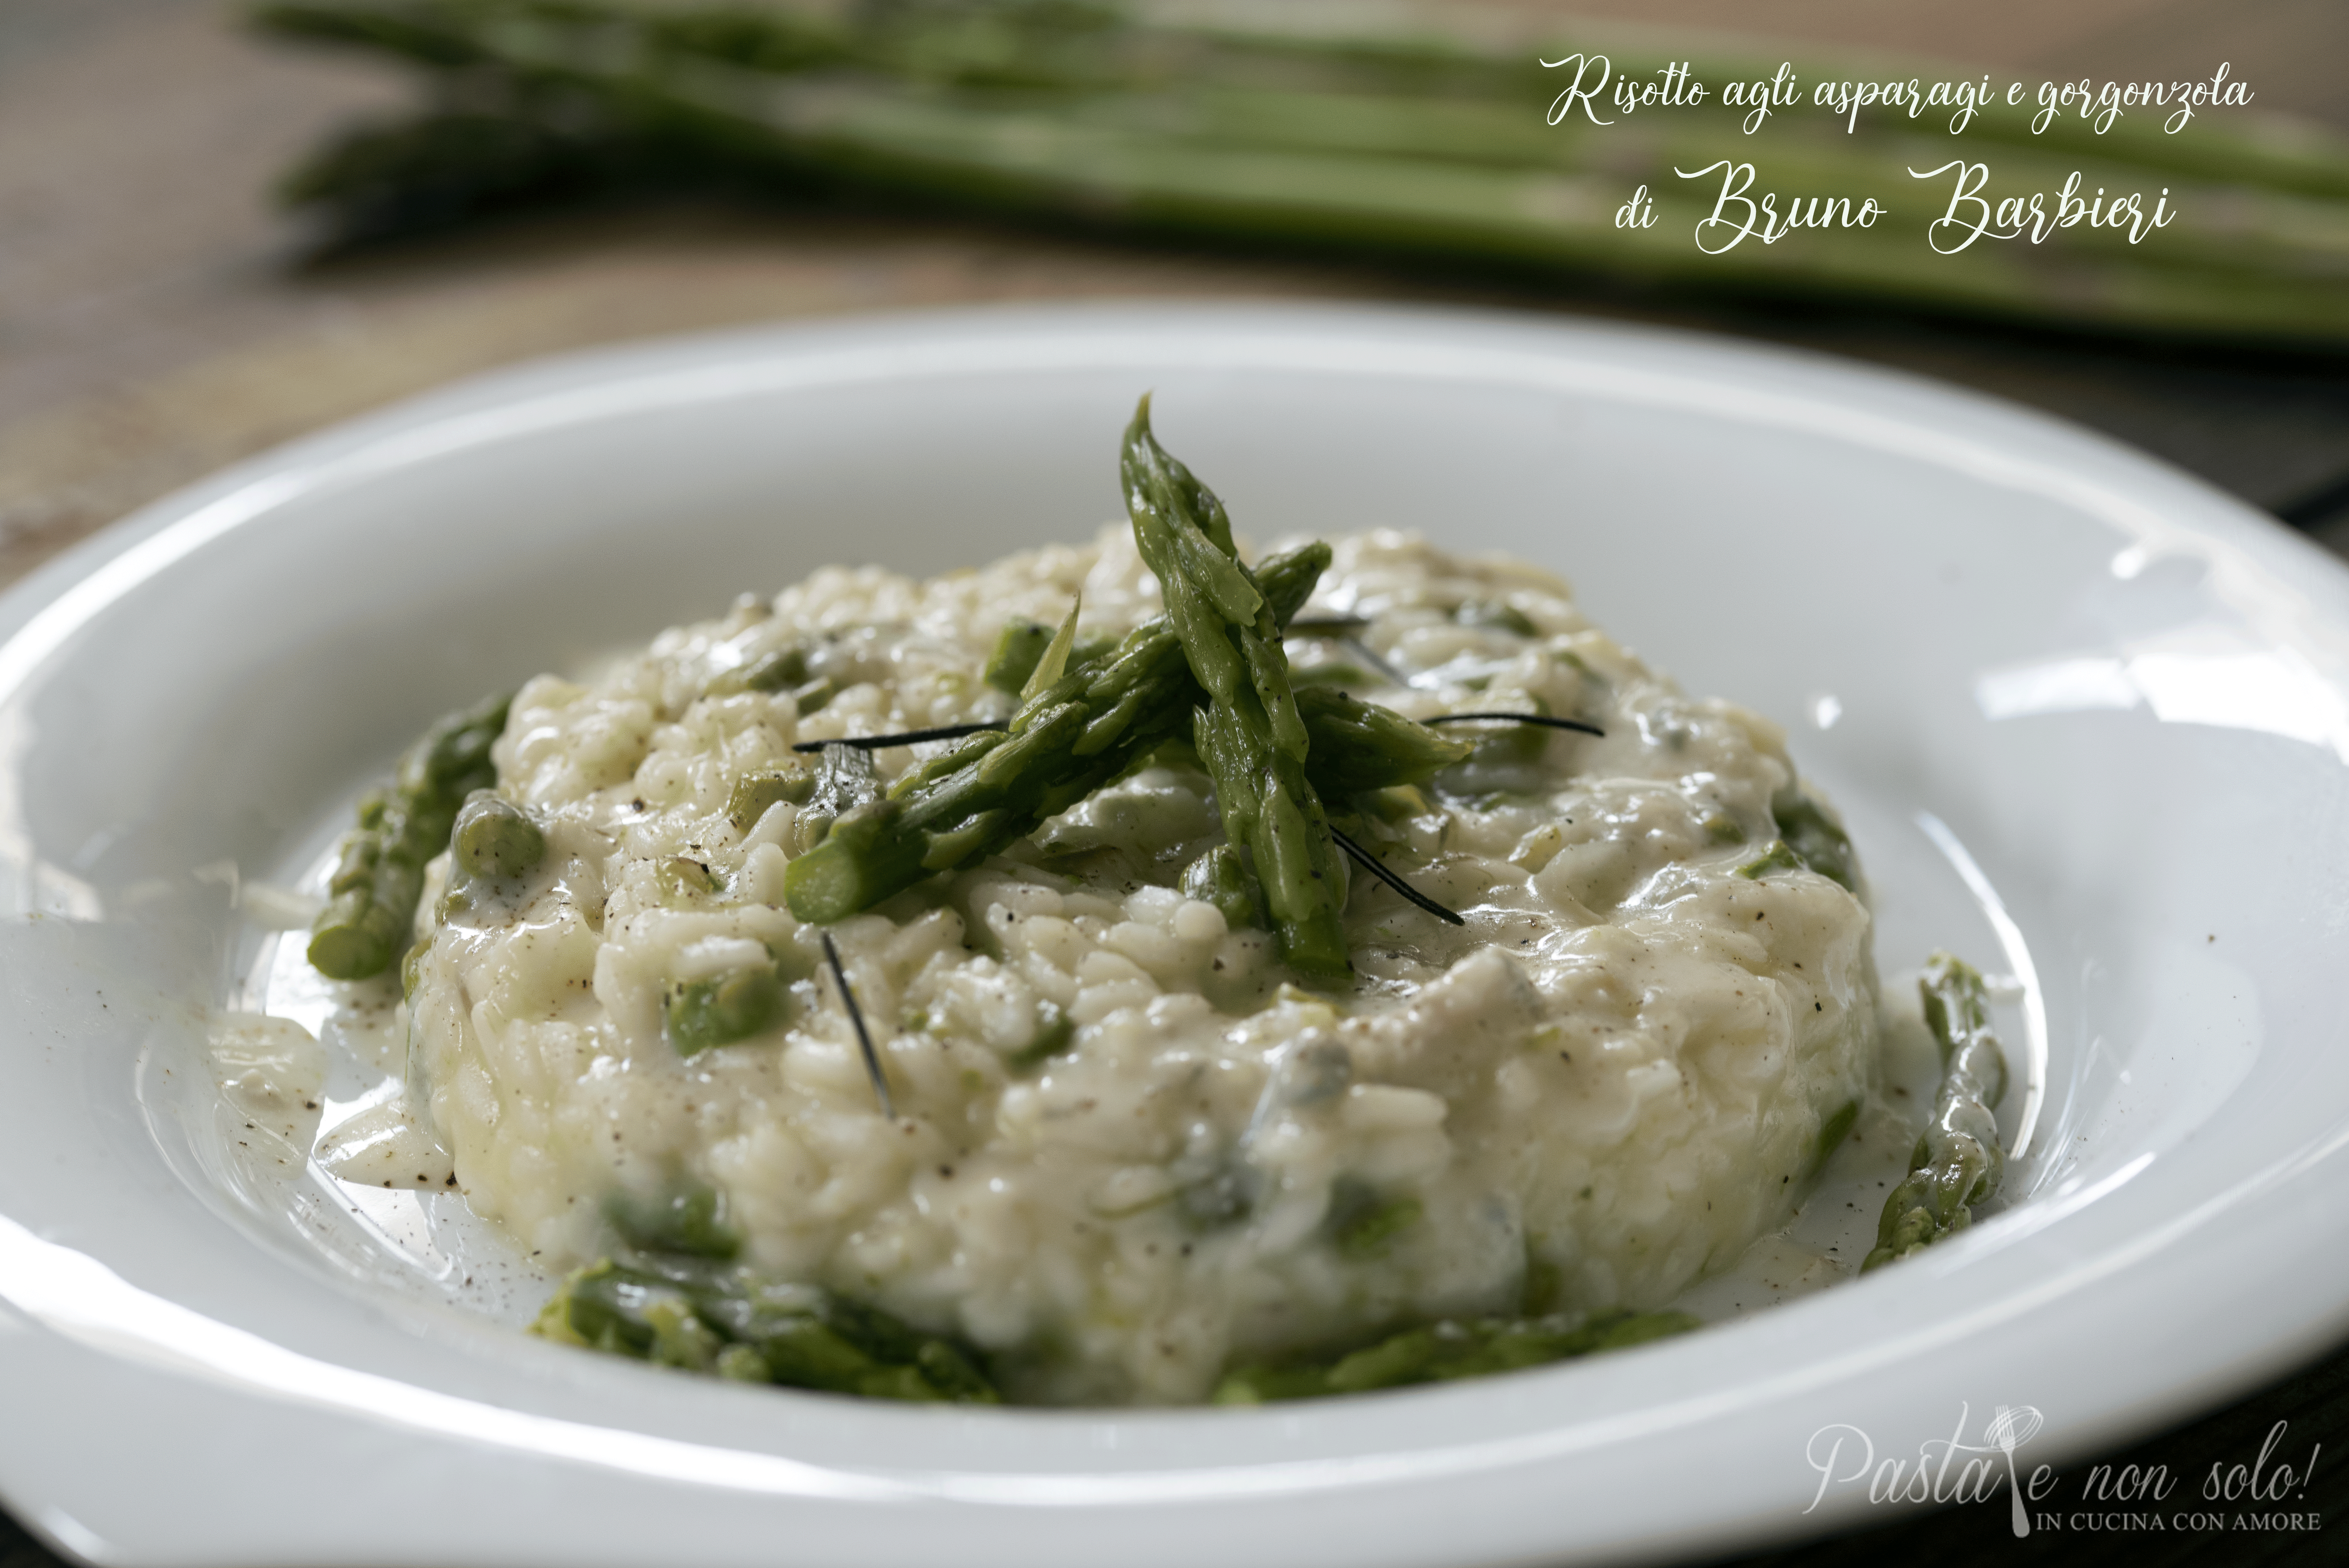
(1418, 144)
(1359, 746)
(1449, 1350)
(1221, 878)
(738, 1327)
(1811, 838)
(1958, 1161)
(370, 912)
(672, 1300)
(990, 789)
(1250, 733)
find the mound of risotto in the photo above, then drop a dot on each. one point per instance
(1061, 1115)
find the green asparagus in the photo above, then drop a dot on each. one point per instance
(1813, 838)
(844, 781)
(755, 793)
(688, 1218)
(1250, 126)
(370, 915)
(983, 793)
(1958, 1162)
(1249, 733)
(1015, 654)
(1807, 841)
(494, 839)
(724, 1009)
(1777, 855)
(777, 671)
(1448, 1350)
(1219, 877)
(1369, 1234)
(1055, 1030)
(677, 1311)
(1358, 747)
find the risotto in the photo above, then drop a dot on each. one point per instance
(1123, 1146)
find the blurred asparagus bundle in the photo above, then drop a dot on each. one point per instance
(1395, 142)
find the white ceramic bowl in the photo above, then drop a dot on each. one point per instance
(2088, 719)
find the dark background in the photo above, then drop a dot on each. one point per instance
(158, 319)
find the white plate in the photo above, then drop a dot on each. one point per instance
(2088, 719)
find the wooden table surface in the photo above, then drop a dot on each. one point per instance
(158, 320)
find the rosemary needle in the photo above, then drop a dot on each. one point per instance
(905, 738)
(864, 1035)
(1544, 720)
(1370, 863)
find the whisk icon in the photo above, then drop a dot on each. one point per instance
(2010, 1426)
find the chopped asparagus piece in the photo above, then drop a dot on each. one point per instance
(755, 793)
(1813, 838)
(1495, 616)
(1833, 1131)
(724, 1008)
(688, 1218)
(1015, 653)
(380, 870)
(1777, 856)
(814, 697)
(678, 1312)
(769, 671)
(1448, 1350)
(1054, 1031)
(496, 839)
(1221, 878)
(1360, 746)
(1371, 1232)
(1958, 1162)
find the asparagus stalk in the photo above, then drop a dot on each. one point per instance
(732, 1324)
(675, 1299)
(1359, 746)
(1402, 144)
(1448, 1350)
(672, 1299)
(378, 876)
(1221, 878)
(1807, 841)
(1249, 733)
(1813, 838)
(990, 791)
(1958, 1161)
